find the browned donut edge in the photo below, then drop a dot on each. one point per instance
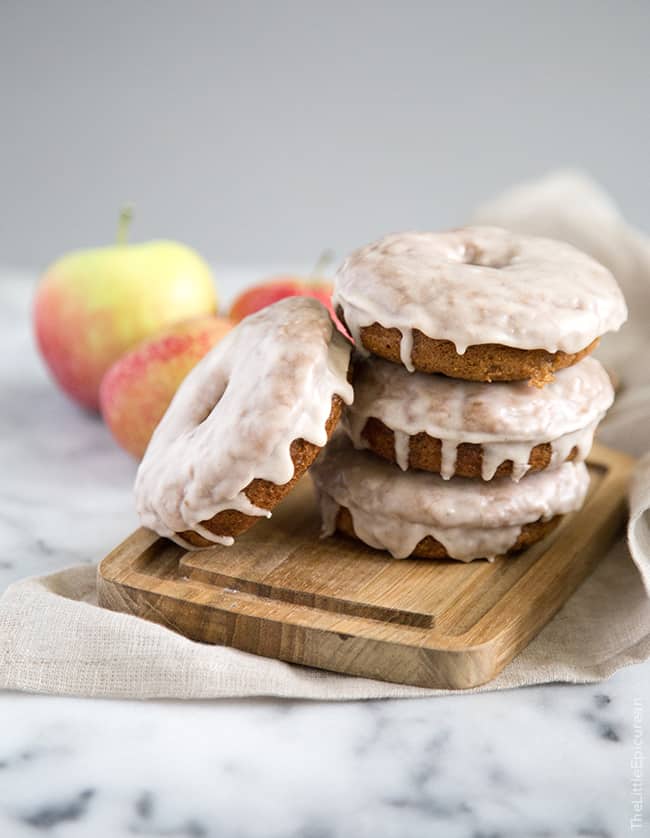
(431, 548)
(482, 362)
(263, 493)
(425, 452)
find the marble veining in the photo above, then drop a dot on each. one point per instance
(543, 762)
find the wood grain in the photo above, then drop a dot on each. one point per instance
(335, 604)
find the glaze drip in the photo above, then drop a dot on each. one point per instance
(270, 381)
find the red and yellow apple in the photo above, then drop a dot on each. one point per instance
(286, 285)
(137, 389)
(91, 306)
(277, 288)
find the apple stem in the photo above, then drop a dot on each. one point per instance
(324, 260)
(124, 223)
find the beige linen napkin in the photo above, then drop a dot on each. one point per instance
(638, 531)
(54, 638)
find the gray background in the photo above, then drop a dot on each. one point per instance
(263, 132)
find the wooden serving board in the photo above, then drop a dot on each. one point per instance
(282, 592)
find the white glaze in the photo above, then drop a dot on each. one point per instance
(394, 510)
(479, 285)
(507, 418)
(268, 382)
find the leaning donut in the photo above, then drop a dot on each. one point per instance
(245, 425)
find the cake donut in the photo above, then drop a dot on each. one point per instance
(417, 513)
(475, 429)
(478, 303)
(245, 425)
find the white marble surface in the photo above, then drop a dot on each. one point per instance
(546, 761)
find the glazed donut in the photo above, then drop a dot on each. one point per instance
(245, 425)
(478, 303)
(416, 513)
(475, 429)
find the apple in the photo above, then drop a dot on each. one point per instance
(286, 285)
(92, 306)
(276, 288)
(137, 389)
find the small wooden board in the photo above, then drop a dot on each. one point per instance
(282, 592)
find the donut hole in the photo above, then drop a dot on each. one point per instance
(206, 409)
(475, 255)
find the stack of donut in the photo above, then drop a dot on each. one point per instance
(475, 396)
(474, 407)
